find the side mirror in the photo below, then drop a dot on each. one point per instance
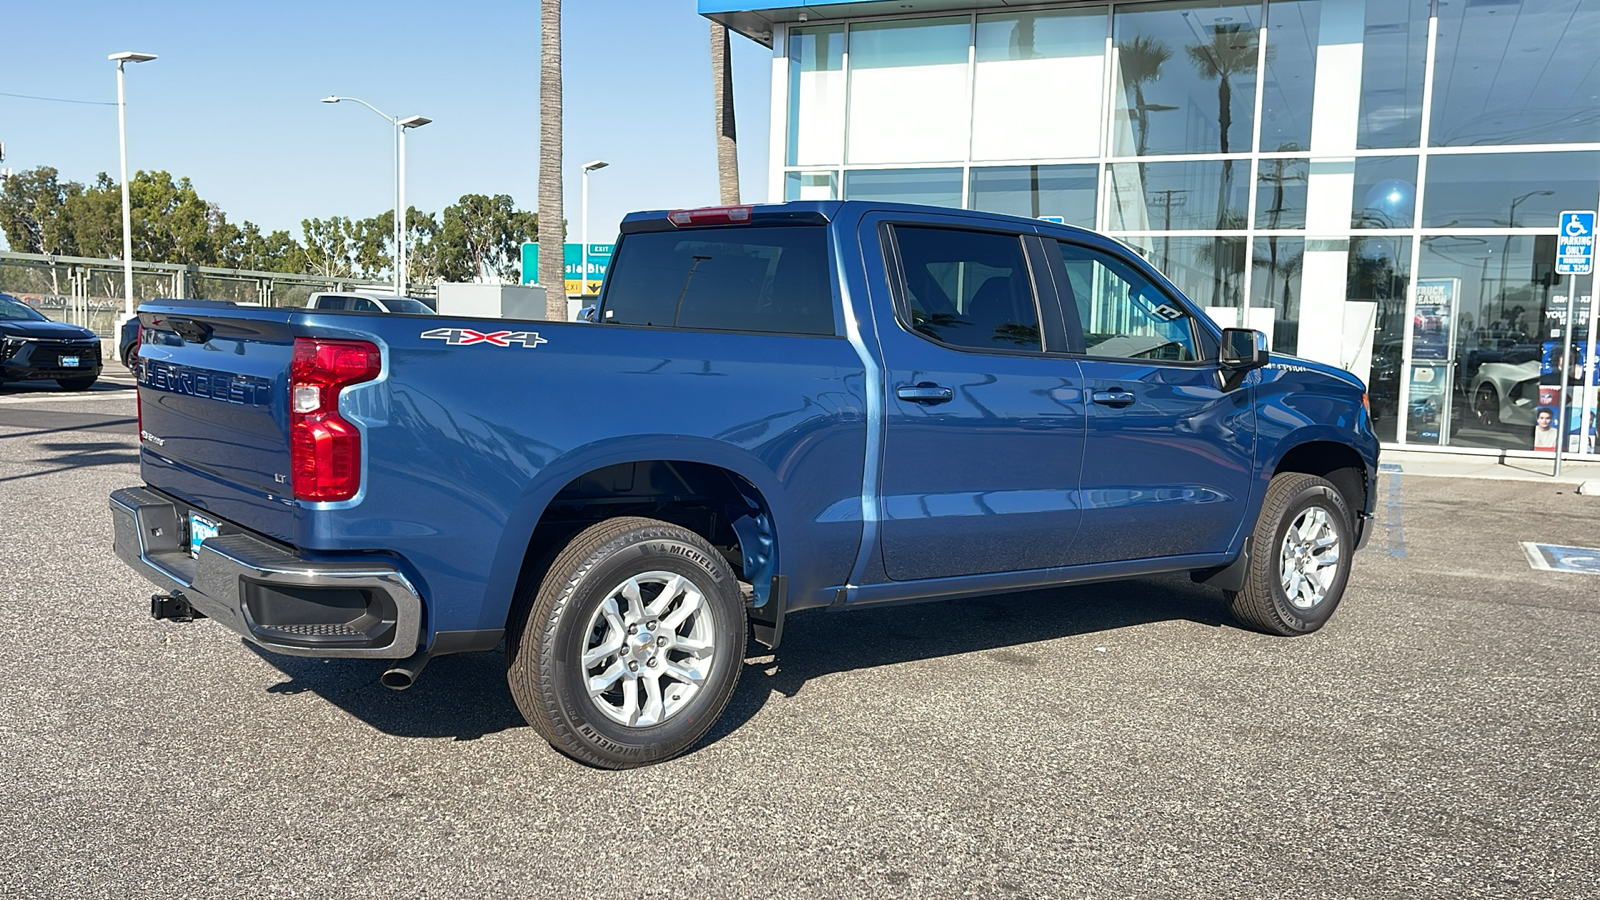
(1243, 349)
(587, 314)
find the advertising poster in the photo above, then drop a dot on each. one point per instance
(1433, 322)
(1429, 403)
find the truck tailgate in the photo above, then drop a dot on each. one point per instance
(213, 394)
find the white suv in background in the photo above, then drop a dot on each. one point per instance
(368, 301)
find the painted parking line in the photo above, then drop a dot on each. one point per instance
(1389, 500)
(76, 397)
(1561, 558)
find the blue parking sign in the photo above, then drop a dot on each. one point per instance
(1575, 242)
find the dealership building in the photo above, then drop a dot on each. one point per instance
(1375, 184)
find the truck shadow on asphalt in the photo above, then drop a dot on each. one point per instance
(465, 696)
(63, 457)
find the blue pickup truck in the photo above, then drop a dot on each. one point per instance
(770, 409)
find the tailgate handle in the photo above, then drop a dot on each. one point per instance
(190, 330)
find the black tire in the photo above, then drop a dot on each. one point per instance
(77, 384)
(1486, 406)
(1264, 604)
(549, 680)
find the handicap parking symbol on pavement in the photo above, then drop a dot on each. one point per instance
(1559, 558)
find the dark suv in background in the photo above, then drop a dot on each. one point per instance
(33, 348)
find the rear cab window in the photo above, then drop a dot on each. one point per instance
(770, 279)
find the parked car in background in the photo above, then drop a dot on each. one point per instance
(33, 348)
(128, 342)
(368, 301)
(1507, 392)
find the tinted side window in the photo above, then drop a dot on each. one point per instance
(733, 278)
(968, 288)
(1122, 313)
(362, 304)
(332, 303)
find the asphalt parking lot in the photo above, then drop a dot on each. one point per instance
(1440, 738)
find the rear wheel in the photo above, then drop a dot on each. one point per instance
(631, 646)
(77, 384)
(1300, 559)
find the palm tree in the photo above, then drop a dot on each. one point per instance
(1231, 51)
(552, 222)
(722, 96)
(1141, 60)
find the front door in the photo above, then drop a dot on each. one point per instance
(985, 419)
(1168, 465)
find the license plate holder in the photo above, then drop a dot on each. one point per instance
(200, 528)
(69, 362)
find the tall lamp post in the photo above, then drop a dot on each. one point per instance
(123, 58)
(1506, 251)
(583, 276)
(400, 127)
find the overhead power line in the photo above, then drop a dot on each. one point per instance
(60, 99)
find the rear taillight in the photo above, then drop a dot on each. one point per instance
(324, 449)
(710, 215)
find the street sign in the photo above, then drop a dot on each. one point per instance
(1058, 220)
(572, 260)
(1575, 242)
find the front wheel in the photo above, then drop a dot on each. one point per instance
(632, 645)
(1300, 559)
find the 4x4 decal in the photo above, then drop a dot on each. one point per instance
(465, 336)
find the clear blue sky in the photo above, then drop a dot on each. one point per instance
(232, 102)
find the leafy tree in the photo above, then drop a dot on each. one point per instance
(340, 247)
(1231, 51)
(422, 231)
(480, 239)
(32, 206)
(1141, 60)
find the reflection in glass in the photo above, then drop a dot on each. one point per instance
(1490, 190)
(1394, 57)
(1021, 57)
(934, 187)
(1379, 273)
(1197, 268)
(1275, 284)
(1289, 82)
(1187, 77)
(908, 90)
(1386, 192)
(810, 186)
(1034, 191)
(1506, 300)
(1516, 73)
(1163, 196)
(1281, 193)
(816, 95)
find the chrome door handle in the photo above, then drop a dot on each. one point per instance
(1117, 398)
(926, 392)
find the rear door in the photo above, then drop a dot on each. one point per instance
(1169, 456)
(984, 429)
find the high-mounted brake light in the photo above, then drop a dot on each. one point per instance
(710, 215)
(324, 448)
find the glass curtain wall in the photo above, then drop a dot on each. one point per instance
(1278, 160)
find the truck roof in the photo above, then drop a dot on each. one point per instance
(799, 212)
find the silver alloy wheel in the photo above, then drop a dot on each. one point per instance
(1309, 560)
(653, 634)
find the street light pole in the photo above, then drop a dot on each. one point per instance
(583, 276)
(399, 231)
(1506, 250)
(122, 59)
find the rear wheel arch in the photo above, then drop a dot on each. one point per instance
(718, 503)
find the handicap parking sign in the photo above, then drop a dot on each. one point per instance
(1575, 242)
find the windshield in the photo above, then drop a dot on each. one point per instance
(12, 309)
(407, 305)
